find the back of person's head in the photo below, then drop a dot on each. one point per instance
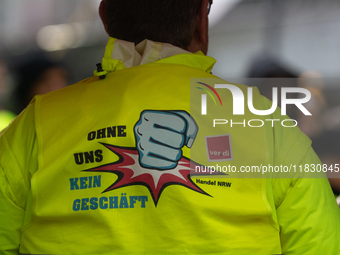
(169, 21)
(267, 66)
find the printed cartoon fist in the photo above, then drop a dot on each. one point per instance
(160, 136)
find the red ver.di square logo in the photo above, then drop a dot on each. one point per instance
(219, 147)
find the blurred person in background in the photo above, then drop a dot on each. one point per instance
(103, 166)
(35, 75)
(268, 72)
(313, 125)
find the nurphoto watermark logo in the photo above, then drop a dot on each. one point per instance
(289, 97)
(242, 122)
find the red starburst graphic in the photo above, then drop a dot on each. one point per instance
(129, 172)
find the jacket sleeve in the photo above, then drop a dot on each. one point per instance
(11, 217)
(17, 164)
(308, 215)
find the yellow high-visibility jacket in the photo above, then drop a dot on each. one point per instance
(5, 118)
(71, 181)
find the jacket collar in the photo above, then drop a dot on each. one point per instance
(121, 54)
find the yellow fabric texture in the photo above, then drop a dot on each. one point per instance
(5, 118)
(55, 184)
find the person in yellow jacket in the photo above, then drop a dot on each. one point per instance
(125, 162)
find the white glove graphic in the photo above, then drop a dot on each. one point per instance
(160, 136)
